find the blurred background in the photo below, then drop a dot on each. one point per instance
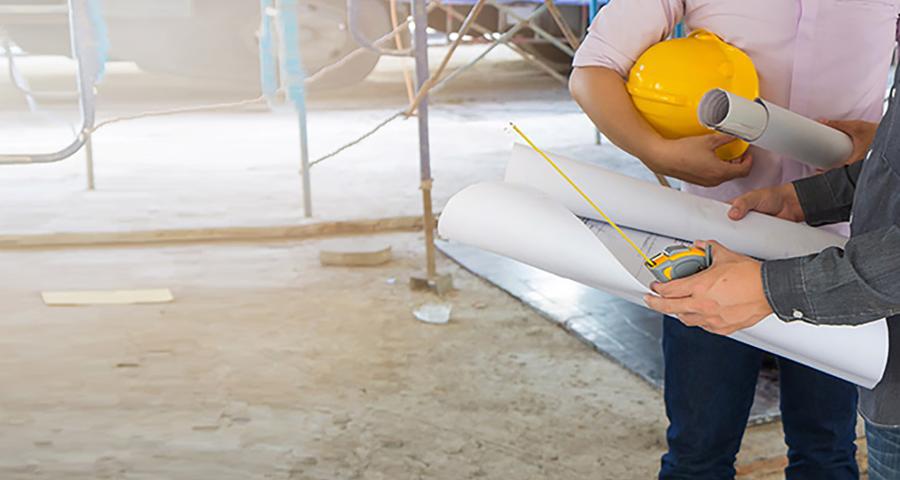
(235, 198)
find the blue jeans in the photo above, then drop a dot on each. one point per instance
(709, 389)
(884, 452)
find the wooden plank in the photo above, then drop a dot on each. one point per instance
(107, 297)
(226, 234)
(355, 253)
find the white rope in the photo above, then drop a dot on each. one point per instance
(359, 139)
(176, 111)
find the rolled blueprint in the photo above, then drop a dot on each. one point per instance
(646, 206)
(773, 128)
(533, 215)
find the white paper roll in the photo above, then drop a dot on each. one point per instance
(526, 224)
(773, 128)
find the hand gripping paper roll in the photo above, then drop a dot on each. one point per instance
(773, 128)
(536, 228)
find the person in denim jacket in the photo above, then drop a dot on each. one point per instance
(853, 285)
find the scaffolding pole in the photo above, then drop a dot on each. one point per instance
(420, 39)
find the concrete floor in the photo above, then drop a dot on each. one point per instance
(270, 366)
(266, 365)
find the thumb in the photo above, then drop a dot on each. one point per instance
(742, 205)
(719, 252)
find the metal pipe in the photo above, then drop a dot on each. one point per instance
(420, 41)
(89, 159)
(350, 56)
(85, 82)
(407, 75)
(502, 39)
(293, 79)
(353, 24)
(268, 63)
(561, 23)
(536, 29)
(512, 46)
(304, 163)
(463, 30)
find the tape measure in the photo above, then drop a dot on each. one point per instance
(675, 261)
(679, 261)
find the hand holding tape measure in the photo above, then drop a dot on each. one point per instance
(675, 261)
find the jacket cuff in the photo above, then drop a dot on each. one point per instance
(783, 285)
(817, 201)
(827, 198)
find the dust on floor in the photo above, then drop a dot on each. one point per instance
(268, 365)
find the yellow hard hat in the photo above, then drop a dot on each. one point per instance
(669, 79)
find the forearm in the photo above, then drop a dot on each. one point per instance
(850, 286)
(602, 95)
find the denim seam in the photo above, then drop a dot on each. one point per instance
(809, 305)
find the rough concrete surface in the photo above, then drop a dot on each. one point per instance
(268, 365)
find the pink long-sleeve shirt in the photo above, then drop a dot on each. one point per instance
(819, 58)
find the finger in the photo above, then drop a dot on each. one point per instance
(842, 125)
(716, 140)
(674, 288)
(743, 204)
(671, 306)
(715, 244)
(742, 167)
(721, 253)
(832, 123)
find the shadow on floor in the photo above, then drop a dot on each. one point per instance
(626, 333)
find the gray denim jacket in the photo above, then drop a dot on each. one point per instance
(861, 282)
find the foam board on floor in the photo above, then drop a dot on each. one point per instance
(107, 297)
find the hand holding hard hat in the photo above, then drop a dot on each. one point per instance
(669, 79)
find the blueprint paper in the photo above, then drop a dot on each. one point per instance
(537, 227)
(773, 128)
(653, 208)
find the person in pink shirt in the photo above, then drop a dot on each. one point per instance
(819, 58)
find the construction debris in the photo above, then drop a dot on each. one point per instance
(355, 252)
(434, 313)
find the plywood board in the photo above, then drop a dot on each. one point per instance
(107, 297)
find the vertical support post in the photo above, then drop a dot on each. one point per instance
(420, 40)
(592, 12)
(293, 77)
(304, 163)
(268, 65)
(89, 158)
(593, 8)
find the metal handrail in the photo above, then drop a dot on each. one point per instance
(85, 81)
